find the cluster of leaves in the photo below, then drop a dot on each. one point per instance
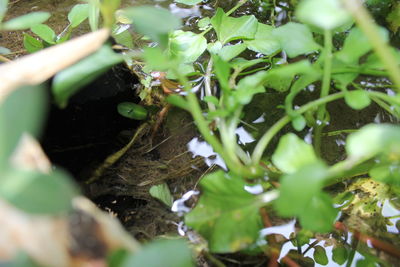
(225, 204)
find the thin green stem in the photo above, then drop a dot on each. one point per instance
(266, 138)
(370, 29)
(230, 159)
(239, 4)
(326, 85)
(346, 70)
(338, 132)
(207, 83)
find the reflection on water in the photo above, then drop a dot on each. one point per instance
(203, 149)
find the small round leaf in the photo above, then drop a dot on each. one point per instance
(132, 111)
(320, 255)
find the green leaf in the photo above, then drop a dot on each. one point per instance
(320, 214)
(132, 111)
(3, 9)
(44, 32)
(25, 21)
(70, 80)
(21, 112)
(226, 214)
(295, 39)
(187, 46)
(153, 22)
(248, 87)
(394, 18)
(178, 101)
(214, 48)
(357, 99)
(299, 122)
(108, 9)
(182, 68)
(339, 254)
(280, 78)
(325, 14)
(78, 14)
(242, 64)
(124, 38)
(230, 51)
(21, 259)
(31, 44)
(36, 192)
(356, 45)
(303, 237)
(374, 62)
(222, 70)
(381, 139)
(4, 50)
(264, 41)
(204, 23)
(366, 263)
(162, 193)
(211, 99)
(156, 59)
(301, 195)
(293, 153)
(229, 29)
(94, 14)
(161, 253)
(320, 255)
(188, 2)
(343, 79)
(388, 173)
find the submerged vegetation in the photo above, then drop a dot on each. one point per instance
(280, 197)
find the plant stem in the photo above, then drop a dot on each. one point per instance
(230, 159)
(239, 4)
(326, 84)
(370, 29)
(266, 138)
(4, 59)
(207, 83)
(345, 70)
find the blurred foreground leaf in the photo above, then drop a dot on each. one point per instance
(293, 153)
(22, 111)
(161, 253)
(325, 14)
(25, 21)
(70, 80)
(295, 39)
(36, 192)
(301, 195)
(188, 2)
(153, 22)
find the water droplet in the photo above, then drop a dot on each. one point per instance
(254, 189)
(179, 205)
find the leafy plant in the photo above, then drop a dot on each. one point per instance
(293, 179)
(303, 175)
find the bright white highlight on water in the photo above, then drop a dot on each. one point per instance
(203, 149)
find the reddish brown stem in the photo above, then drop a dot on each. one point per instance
(274, 252)
(289, 262)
